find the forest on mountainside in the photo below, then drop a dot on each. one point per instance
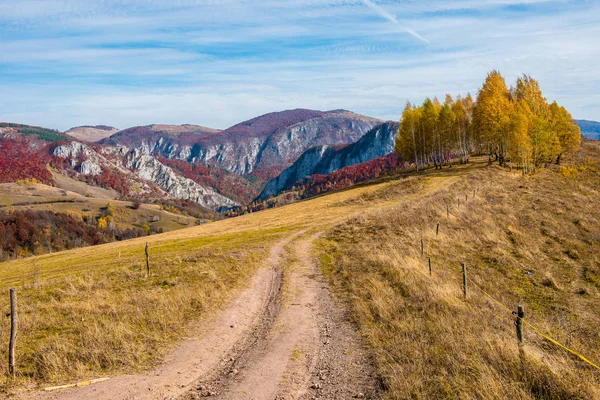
(33, 232)
(224, 182)
(45, 134)
(516, 126)
(320, 184)
(18, 162)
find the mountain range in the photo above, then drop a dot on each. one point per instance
(325, 159)
(262, 146)
(589, 129)
(218, 169)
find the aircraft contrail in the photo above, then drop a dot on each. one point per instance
(393, 19)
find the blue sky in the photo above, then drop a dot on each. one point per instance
(215, 63)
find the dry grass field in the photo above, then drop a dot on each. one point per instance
(530, 240)
(526, 240)
(92, 311)
(78, 198)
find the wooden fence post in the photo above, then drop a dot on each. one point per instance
(429, 266)
(437, 229)
(13, 332)
(458, 203)
(466, 197)
(147, 260)
(422, 247)
(464, 271)
(519, 323)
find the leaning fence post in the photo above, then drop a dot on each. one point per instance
(13, 332)
(437, 229)
(429, 266)
(422, 247)
(464, 271)
(519, 323)
(147, 260)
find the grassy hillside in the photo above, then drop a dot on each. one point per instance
(15, 196)
(526, 240)
(92, 311)
(530, 240)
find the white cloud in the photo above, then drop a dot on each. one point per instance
(215, 63)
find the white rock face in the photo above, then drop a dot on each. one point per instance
(242, 155)
(149, 168)
(72, 149)
(92, 165)
(90, 168)
(139, 163)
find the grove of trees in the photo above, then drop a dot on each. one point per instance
(515, 125)
(32, 232)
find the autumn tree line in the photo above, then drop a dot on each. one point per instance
(516, 126)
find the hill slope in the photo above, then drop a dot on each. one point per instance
(91, 133)
(34, 133)
(325, 159)
(526, 240)
(141, 173)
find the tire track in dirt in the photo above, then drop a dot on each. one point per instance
(311, 350)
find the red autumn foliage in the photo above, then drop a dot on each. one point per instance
(348, 176)
(29, 232)
(111, 178)
(226, 183)
(18, 161)
(265, 173)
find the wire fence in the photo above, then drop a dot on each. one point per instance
(501, 304)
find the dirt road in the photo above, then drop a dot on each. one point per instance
(283, 337)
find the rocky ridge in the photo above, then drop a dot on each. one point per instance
(325, 159)
(88, 160)
(270, 141)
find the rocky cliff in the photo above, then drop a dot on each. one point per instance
(269, 142)
(325, 159)
(136, 163)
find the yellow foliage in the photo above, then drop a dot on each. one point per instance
(74, 214)
(110, 209)
(28, 182)
(573, 170)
